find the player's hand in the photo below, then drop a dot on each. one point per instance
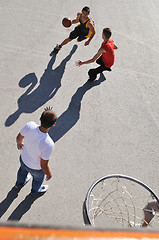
(20, 146)
(79, 63)
(48, 177)
(86, 43)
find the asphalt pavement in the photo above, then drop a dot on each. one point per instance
(106, 127)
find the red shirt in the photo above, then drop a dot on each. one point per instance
(109, 57)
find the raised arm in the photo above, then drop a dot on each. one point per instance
(77, 19)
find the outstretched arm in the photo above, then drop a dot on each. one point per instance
(100, 51)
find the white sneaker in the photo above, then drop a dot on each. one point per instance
(43, 188)
(132, 224)
(57, 49)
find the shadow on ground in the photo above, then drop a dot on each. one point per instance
(23, 207)
(72, 114)
(50, 83)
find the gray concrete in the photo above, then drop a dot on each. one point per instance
(108, 127)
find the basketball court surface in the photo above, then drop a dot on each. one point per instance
(107, 127)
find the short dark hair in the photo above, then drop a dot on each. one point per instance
(86, 9)
(48, 118)
(107, 32)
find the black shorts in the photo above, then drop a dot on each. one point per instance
(80, 33)
(93, 72)
(100, 62)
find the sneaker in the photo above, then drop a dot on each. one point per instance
(132, 224)
(56, 49)
(26, 181)
(91, 79)
(92, 75)
(43, 188)
(108, 69)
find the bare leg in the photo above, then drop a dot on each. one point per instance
(145, 223)
(58, 47)
(65, 41)
(149, 212)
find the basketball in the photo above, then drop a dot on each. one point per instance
(66, 22)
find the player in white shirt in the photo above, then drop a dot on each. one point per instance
(36, 146)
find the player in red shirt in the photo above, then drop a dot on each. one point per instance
(105, 56)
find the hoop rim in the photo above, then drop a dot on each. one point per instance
(85, 204)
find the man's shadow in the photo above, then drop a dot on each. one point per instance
(4, 205)
(50, 83)
(23, 207)
(70, 117)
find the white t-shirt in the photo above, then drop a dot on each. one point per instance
(37, 145)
